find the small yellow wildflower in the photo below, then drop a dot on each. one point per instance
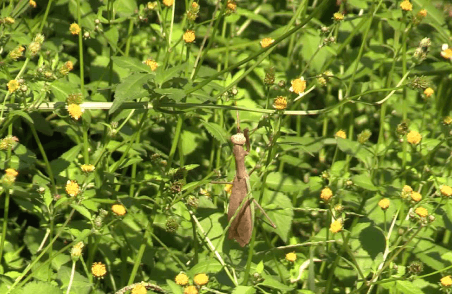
(191, 290)
(407, 189)
(416, 196)
(98, 270)
(447, 120)
(201, 279)
(168, 3)
(446, 281)
(422, 13)
(76, 251)
(446, 190)
(11, 172)
(75, 111)
(336, 226)
(32, 3)
(189, 36)
(72, 188)
(298, 86)
(228, 188)
(194, 5)
(9, 20)
(291, 256)
(181, 279)
(87, 168)
(446, 52)
(428, 92)
(17, 53)
(69, 65)
(406, 5)
(338, 16)
(326, 194)
(151, 5)
(231, 6)
(265, 42)
(341, 134)
(13, 85)
(421, 211)
(384, 203)
(413, 137)
(139, 289)
(74, 29)
(280, 103)
(151, 63)
(118, 209)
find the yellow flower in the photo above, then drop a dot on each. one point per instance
(32, 3)
(69, 65)
(336, 226)
(428, 92)
(446, 281)
(181, 279)
(407, 189)
(421, 211)
(413, 137)
(291, 256)
(422, 13)
(280, 103)
(384, 203)
(326, 194)
(189, 36)
(168, 3)
(446, 190)
(98, 270)
(416, 196)
(139, 289)
(11, 172)
(204, 192)
(265, 42)
(228, 188)
(72, 188)
(446, 52)
(17, 52)
(406, 5)
(13, 85)
(9, 20)
(338, 16)
(190, 290)
(75, 111)
(341, 134)
(201, 279)
(447, 120)
(76, 251)
(298, 86)
(74, 29)
(119, 209)
(87, 168)
(152, 5)
(151, 63)
(231, 6)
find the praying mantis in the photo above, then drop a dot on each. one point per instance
(242, 222)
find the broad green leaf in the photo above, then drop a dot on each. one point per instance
(129, 89)
(355, 149)
(244, 290)
(162, 75)
(175, 288)
(82, 210)
(211, 265)
(80, 283)
(255, 17)
(364, 181)
(216, 131)
(39, 287)
(131, 63)
(284, 183)
(172, 93)
(280, 210)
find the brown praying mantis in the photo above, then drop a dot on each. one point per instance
(242, 221)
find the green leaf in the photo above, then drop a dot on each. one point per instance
(175, 288)
(22, 114)
(244, 290)
(82, 210)
(131, 63)
(61, 90)
(355, 149)
(129, 89)
(210, 265)
(284, 183)
(271, 282)
(364, 181)
(162, 75)
(216, 131)
(172, 93)
(80, 284)
(280, 210)
(39, 287)
(255, 17)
